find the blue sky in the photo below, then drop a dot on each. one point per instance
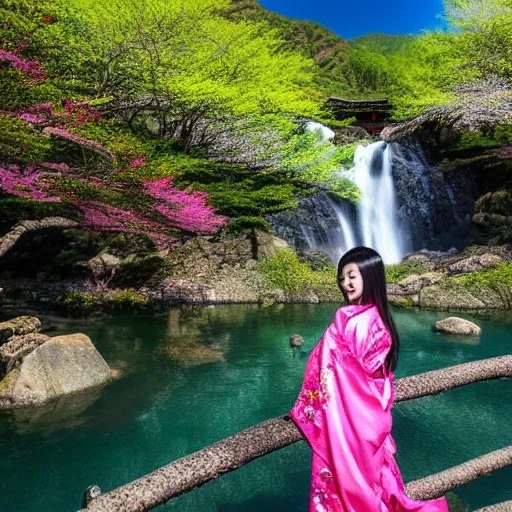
(353, 18)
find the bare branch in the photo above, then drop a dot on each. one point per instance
(506, 506)
(91, 145)
(196, 469)
(9, 239)
(436, 485)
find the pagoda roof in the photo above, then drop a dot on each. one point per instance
(382, 105)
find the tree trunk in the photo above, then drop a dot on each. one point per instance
(9, 239)
(194, 470)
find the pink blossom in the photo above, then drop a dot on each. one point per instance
(41, 107)
(185, 210)
(24, 182)
(103, 217)
(81, 111)
(33, 118)
(137, 162)
(32, 68)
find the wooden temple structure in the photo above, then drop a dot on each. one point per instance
(371, 115)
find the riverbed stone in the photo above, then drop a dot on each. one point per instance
(414, 283)
(456, 325)
(18, 326)
(17, 348)
(296, 341)
(61, 366)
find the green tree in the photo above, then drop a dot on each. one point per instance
(485, 37)
(178, 69)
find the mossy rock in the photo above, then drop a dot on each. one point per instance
(136, 272)
(401, 301)
(498, 203)
(449, 299)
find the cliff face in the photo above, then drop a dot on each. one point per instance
(437, 206)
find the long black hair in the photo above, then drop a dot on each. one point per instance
(371, 268)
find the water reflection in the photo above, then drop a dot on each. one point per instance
(66, 412)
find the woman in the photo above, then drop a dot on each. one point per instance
(344, 407)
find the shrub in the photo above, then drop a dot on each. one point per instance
(127, 299)
(284, 270)
(500, 276)
(395, 273)
(109, 300)
(84, 301)
(243, 223)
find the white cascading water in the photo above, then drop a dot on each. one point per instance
(376, 222)
(377, 210)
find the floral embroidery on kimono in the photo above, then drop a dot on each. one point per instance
(344, 412)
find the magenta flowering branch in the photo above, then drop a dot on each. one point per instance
(185, 210)
(24, 182)
(81, 141)
(36, 114)
(32, 68)
(103, 217)
(138, 161)
(81, 112)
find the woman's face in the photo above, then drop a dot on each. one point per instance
(352, 283)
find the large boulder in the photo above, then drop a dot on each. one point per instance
(61, 366)
(456, 325)
(444, 298)
(103, 266)
(473, 263)
(267, 244)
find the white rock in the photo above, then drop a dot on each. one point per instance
(456, 325)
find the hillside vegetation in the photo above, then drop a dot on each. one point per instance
(169, 119)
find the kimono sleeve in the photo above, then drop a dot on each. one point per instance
(376, 348)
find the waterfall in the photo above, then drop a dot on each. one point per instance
(378, 217)
(313, 126)
(406, 205)
(374, 221)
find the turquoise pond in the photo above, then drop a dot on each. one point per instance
(189, 377)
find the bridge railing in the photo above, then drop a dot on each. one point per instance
(192, 471)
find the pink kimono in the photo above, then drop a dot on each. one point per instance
(344, 412)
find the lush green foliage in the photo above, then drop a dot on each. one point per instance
(285, 271)
(171, 79)
(187, 63)
(399, 271)
(245, 222)
(20, 142)
(124, 299)
(308, 160)
(498, 277)
(485, 37)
